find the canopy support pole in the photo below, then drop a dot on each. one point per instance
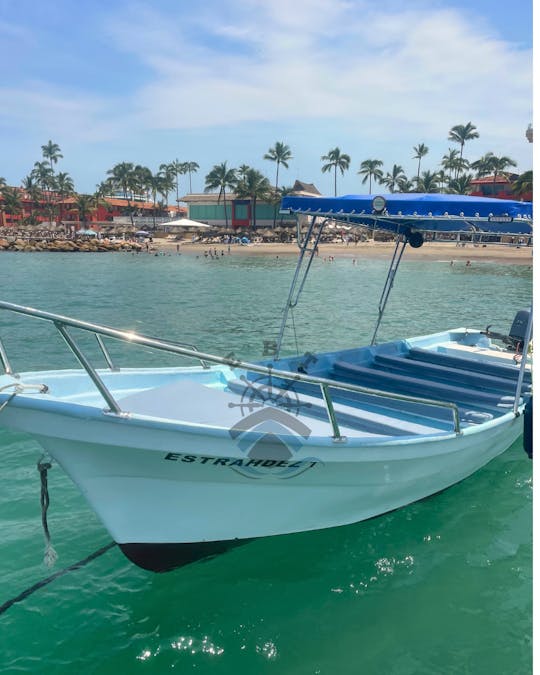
(296, 286)
(394, 264)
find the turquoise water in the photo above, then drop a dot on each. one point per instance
(441, 586)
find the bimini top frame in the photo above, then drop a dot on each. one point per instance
(418, 211)
(407, 215)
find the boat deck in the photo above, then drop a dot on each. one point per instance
(447, 368)
(480, 381)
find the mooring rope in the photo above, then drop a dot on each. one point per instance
(43, 466)
(44, 582)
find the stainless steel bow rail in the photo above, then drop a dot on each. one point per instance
(63, 323)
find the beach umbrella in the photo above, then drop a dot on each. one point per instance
(142, 233)
(185, 222)
(87, 233)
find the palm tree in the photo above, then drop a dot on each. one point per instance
(51, 152)
(460, 185)
(32, 189)
(461, 133)
(450, 162)
(500, 166)
(428, 182)
(142, 181)
(167, 181)
(154, 185)
(395, 179)
(98, 198)
(491, 164)
(335, 160)
(523, 184)
(280, 154)
(407, 185)
(255, 186)
(123, 177)
(12, 203)
(370, 168)
(223, 178)
(443, 179)
(174, 169)
(420, 151)
(242, 170)
(84, 205)
(105, 188)
(43, 174)
(64, 188)
(483, 166)
(190, 167)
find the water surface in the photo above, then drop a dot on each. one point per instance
(441, 586)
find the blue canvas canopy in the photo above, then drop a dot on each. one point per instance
(431, 212)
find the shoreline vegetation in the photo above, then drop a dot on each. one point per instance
(46, 195)
(442, 251)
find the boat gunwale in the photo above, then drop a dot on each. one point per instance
(60, 322)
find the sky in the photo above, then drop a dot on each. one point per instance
(224, 80)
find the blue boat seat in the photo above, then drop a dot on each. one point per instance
(446, 373)
(421, 412)
(416, 386)
(485, 367)
(370, 422)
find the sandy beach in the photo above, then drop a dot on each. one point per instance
(495, 253)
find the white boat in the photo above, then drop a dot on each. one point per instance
(182, 463)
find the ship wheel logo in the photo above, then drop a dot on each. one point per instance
(263, 392)
(269, 432)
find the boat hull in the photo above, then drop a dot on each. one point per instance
(176, 502)
(196, 460)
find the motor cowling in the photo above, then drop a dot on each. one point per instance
(519, 326)
(516, 336)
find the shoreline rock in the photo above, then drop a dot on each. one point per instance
(68, 245)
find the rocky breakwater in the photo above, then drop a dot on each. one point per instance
(67, 245)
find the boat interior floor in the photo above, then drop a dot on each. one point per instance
(481, 390)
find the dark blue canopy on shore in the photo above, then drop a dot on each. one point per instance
(420, 211)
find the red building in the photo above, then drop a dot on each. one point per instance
(499, 187)
(64, 210)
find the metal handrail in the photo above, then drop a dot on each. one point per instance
(61, 322)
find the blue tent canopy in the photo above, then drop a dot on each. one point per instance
(430, 212)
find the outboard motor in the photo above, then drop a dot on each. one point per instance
(519, 327)
(518, 330)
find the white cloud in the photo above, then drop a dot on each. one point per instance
(65, 112)
(383, 75)
(324, 59)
